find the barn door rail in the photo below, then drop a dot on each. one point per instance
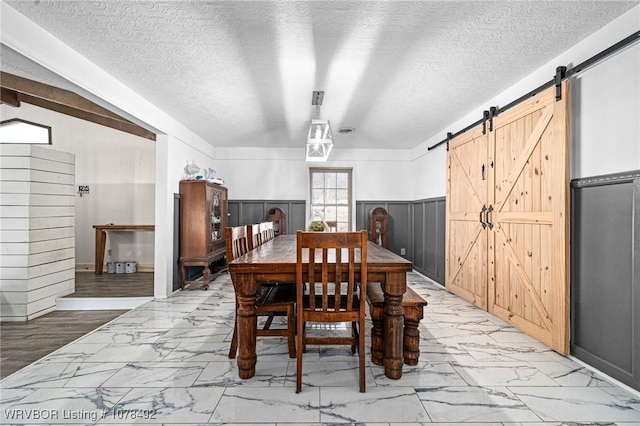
(562, 73)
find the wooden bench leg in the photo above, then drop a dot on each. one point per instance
(411, 344)
(377, 339)
(412, 307)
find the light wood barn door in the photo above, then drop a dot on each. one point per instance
(466, 244)
(528, 244)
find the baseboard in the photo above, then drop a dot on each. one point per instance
(89, 267)
(616, 382)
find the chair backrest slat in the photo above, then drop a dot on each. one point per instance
(325, 281)
(312, 279)
(338, 275)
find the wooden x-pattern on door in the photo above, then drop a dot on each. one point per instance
(521, 223)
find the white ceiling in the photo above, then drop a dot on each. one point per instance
(241, 73)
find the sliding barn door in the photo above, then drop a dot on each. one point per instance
(529, 198)
(466, 246)
(507, 224)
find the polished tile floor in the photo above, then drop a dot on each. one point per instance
(166, 363)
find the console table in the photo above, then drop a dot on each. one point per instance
(101, 239)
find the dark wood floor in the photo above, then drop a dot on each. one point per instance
(88, 284)
(22, 343)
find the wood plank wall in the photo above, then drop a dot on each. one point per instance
(37, 250)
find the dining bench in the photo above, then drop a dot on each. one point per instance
(413, 307)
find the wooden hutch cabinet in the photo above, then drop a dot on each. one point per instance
(203, 218)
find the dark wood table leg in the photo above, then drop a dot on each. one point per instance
(394, 287)
(246, 288)
(101, 241)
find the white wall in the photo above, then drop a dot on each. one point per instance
(605, 111)
(32, 41)
(172, 154)
(282, 174)
(606, 107)
(119, 169)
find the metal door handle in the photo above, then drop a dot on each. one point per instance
(488, 218)
(484, 209)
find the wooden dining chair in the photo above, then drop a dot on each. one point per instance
(255, 236)
(272, 300)
(236, 241)
(328, 290)
(267, 231)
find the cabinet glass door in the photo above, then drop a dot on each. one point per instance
(216, 233)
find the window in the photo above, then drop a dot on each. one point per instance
(331, 196)
(17, 130)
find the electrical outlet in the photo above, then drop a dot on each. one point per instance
(403, 251)
(109, 252)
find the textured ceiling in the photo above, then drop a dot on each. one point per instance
(241, 73)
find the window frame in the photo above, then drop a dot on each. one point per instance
(350, 190)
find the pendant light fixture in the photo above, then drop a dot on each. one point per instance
(320, 139)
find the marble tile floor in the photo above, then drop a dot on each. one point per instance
(166, 363)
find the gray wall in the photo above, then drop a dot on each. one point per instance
(415, 226)
(605, 274)
(254, 211)
(399, 225)
(429, 237)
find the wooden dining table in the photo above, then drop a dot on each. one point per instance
(275, 261)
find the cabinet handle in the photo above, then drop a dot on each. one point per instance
(484, 209)
(488, 218)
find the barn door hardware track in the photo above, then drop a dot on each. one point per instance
(562, 73)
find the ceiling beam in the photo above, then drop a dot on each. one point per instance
(9, 97)
(65, 102)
